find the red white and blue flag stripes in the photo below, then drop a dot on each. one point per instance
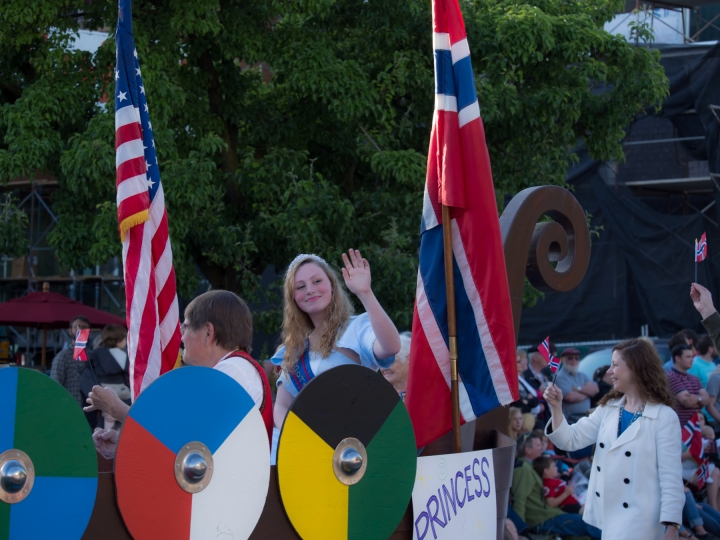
(701, 248)
(81, 339)
(544, 350)
(692, 438)
(459, 176)
(703, 473)
(151, 297)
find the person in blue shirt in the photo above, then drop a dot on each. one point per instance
(704, 363)
(319, 331)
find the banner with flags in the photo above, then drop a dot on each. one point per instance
(692, 438)
(459, 176)
(151, 297)
(81, 340)
(701, 248)
(544, 350)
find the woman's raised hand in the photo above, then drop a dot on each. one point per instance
(356, 273)
(553, 395)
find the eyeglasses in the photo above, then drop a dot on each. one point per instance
(183, 327)
(571, 357)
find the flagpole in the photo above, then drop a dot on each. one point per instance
(696, 248)
(452, 326)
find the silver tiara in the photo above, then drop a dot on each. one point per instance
(304, 256)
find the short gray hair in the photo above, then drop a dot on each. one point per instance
(404, 354)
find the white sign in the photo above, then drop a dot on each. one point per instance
(454, 497)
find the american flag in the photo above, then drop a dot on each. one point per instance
(701, 248)
(151, 297)
(544, 350)
(81, 339)
(702, 473)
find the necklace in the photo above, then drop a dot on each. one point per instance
(637, 415)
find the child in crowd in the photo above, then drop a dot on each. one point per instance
(563, 467)
(556, 491)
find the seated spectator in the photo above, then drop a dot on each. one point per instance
(692, 338)
(677, 339)
(538, 373)
(577, 389)
(703, 364)
(713, 390)
(528, 403)
(602, 379)
(556, 491)
(515, 423)
(529, 502)
(700, 517)
(689, 394)
(397, 373)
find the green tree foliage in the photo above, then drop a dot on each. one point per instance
(286, 126)
(13, 229)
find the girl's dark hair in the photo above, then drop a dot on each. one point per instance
(647, 369)
(541, 464)
(112, 334)
(600, 373)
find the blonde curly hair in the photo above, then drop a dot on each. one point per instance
(297, 324)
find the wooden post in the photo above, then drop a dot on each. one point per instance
(452, 326)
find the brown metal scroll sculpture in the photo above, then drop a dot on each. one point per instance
(532, 247)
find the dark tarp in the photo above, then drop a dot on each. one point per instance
(642, 263)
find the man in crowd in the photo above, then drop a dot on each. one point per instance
(677, 339)
(576, 387)
(690, 396)
(704, 365)
(692, 338)
(529, 502)
(538, 373)
(65, 370)
(217, 333)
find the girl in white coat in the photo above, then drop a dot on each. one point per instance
(636, 488)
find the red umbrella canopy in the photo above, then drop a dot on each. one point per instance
(51, 310)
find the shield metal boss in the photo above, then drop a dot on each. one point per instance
(193, 460)
(48, 464)
(346, 457)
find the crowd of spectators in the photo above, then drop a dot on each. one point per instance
(547, 490)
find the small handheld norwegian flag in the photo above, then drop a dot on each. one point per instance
(544, 350)
(700, 252)
(81, 339)
(702, 473)
(701, 249)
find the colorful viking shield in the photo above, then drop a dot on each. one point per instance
(48, 464)
(193, 459)
(346, 457)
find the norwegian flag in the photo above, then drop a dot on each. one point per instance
(81, 339)
(459, 176)
(544, 350)
(701, 249)
(702, 473)
(151, 298)
(692, 438)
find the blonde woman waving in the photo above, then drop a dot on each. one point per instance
(319, 331)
